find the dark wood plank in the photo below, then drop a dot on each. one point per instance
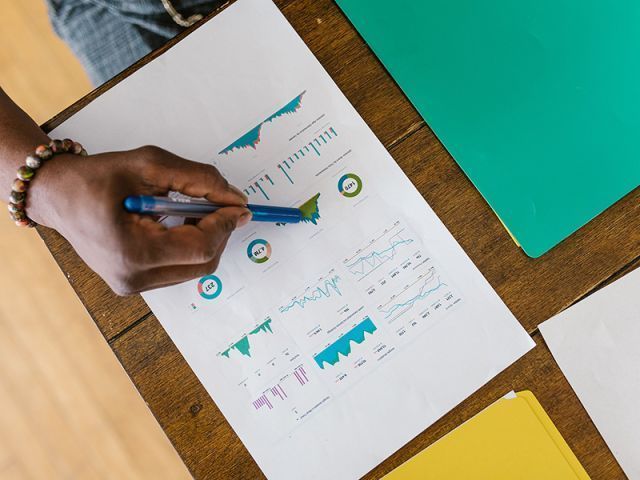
(211, 450)
(345, 56)
(186, 413)
(111, 313)
(616, 276)
(534, 289)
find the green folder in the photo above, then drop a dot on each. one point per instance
(538, 102)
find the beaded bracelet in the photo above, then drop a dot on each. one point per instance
(27, 172)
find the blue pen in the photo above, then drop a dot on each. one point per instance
(147, 205)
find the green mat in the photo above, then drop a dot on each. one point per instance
(538, 102)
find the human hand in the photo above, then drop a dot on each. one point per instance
(81, 197)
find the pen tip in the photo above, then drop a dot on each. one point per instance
(133, 204)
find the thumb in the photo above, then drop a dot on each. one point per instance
(167, 171)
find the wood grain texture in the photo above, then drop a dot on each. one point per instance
(111, 313)
(533, 289)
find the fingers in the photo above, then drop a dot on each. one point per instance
(225, 220)
(172, 275)
(152, 255)
(187, 244)
(167, 171)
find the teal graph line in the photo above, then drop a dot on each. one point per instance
(286, 174)
(342, 346)
(422, 294)
(325, 290)
(243, 345)
(252, 137)
(376, 258)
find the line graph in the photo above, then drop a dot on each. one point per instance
(324, 289)
(384, 247)
(367, 263)
(429, 284)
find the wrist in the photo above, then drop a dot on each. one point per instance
(42, 205)
(31, 191)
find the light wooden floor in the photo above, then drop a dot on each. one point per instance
(67, 409)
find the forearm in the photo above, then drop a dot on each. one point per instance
(19, 135)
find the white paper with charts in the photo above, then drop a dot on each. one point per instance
(329, 344)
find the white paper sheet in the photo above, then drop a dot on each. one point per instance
(326, 346)
(597, 345)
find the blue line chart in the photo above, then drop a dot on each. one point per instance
(326, 289)
(424, 292)
(367, 263)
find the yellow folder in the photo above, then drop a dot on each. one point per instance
(511, 439)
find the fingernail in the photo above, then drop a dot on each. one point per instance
(237, 191)
(244, 219)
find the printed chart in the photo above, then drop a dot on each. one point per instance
(306, 334)
(251, 139)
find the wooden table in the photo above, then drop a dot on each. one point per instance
(534, 290)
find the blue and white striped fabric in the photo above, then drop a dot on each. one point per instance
(109, 35)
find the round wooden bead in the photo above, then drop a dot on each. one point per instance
(14, 208)
(18, 215)
(33, 161)
(44, 152)
(56, 146)
(25, 173)
(25, 222)
(19, 185)
(67, 144)
(76, 149)
(17, 197)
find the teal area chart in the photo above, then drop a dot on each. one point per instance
(251, 139)
(342, 346)
(243, 345)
